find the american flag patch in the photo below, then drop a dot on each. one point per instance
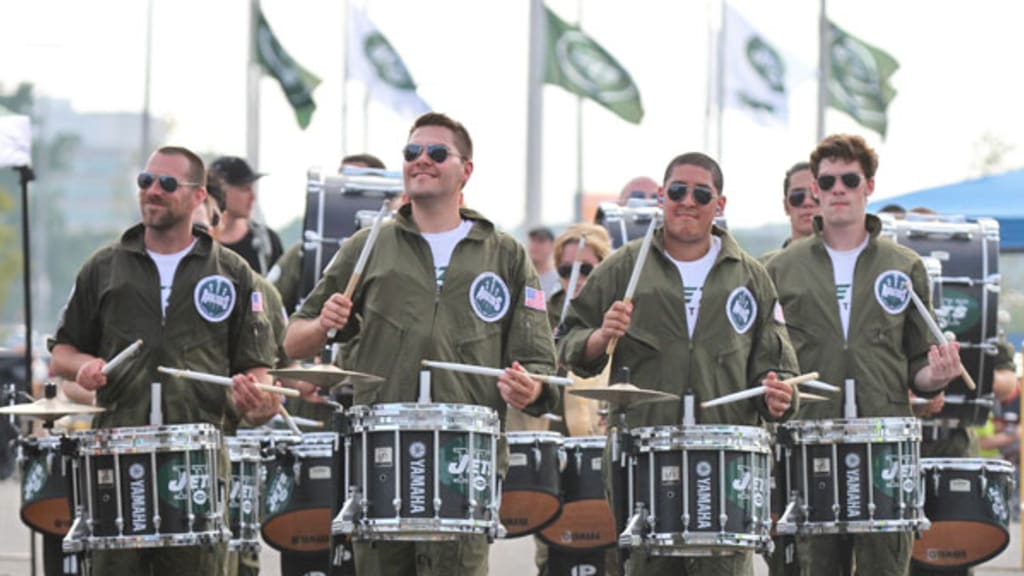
(535, 299)
(257, 301)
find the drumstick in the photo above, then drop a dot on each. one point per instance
(122, 356)
(819, 385)
(756, 391)
(496, 372)
(225, 381)
(288, 419)
(364, 255)
(937, 332)
(307, 422)
(574, 278)
(634, 278)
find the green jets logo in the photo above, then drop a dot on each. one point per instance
(34, 480)
(175, 482)
(279, 492)
(960, 311)
(489, 297)
(386, 62)
(214, 298)
(741, 309)
(892, 290)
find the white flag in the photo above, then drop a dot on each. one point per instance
(755, 71)
(372, 60)
(15, 140)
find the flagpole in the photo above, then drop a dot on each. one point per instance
(579, 132)
(534, 111)
(346, 31)
(720, 83)
(146, 83)
(709, 97)
(824, 65)
(252, 102)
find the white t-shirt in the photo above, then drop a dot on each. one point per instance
(843, 264)
(166, 265)
(442, 244)
(692, 275)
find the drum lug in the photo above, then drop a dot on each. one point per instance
(344, 522)
(74, 541)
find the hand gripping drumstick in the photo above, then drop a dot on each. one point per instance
(574, 278)
(357, 273)
(937, 332)
(122, 356)
(634, 278)
(757, 391)
(225, 381)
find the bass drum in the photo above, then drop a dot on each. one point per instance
(968, 250)
(531, 496)
(586, 521)
(967, 501)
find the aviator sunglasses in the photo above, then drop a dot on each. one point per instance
(701, 194)
(797, 198)
(167, 183)
(826, 181)
(437, 152)
(565, 270)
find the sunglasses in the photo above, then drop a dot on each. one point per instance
(826, 181)
(797, 198)
(701, 194)
(437, 152)
(167, 183)
(565, 270)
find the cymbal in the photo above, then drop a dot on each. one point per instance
(327, 376)
(624, 395)
(50, 409)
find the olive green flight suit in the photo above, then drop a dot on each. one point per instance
(479, 316)
(885, 349)
(210, 326)
(725, 355)
(287, 277)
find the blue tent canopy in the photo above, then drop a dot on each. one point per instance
(1000, 197)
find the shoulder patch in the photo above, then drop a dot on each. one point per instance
(489, 296)
(741, 309)
(214, 298)
(535, 299)
(892, 291)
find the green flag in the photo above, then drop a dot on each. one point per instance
(858, 82)
(297, 82)
(580, 65)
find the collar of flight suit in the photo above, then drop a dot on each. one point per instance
(133, 240)
(481, 229)
(730, 249)
(872, 223)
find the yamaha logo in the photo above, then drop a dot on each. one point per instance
(703, 469)
(852, 460)
(417, 450)
(136, 471)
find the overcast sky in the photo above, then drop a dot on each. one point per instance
(956, 84)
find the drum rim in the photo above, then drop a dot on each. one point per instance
(584, 442)
(853, 430)
(412, 417)
(989, 465)
(521, 437)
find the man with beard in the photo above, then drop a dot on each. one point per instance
(193, 304)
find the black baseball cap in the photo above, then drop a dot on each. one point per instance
(541, 233)
(234, 170)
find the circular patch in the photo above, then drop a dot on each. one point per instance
(199, 497)
(703, 469)
(417, 450)
(892, 290)
(136, 471)
(214, 298)
(489, 297)
(852, 460)
(741, 309)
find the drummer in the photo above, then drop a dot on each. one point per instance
(441, 283)
(704, 320)
(848, 310)
(193, 304)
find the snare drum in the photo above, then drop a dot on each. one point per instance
(148, 487)
(851, 476)
(45, 505)
(531, 496)
(297, 505)
(586, 521)
(701, 490)
(967, 501)
(420, 472)
(244, 494)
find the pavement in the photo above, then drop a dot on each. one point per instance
(508, 557)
